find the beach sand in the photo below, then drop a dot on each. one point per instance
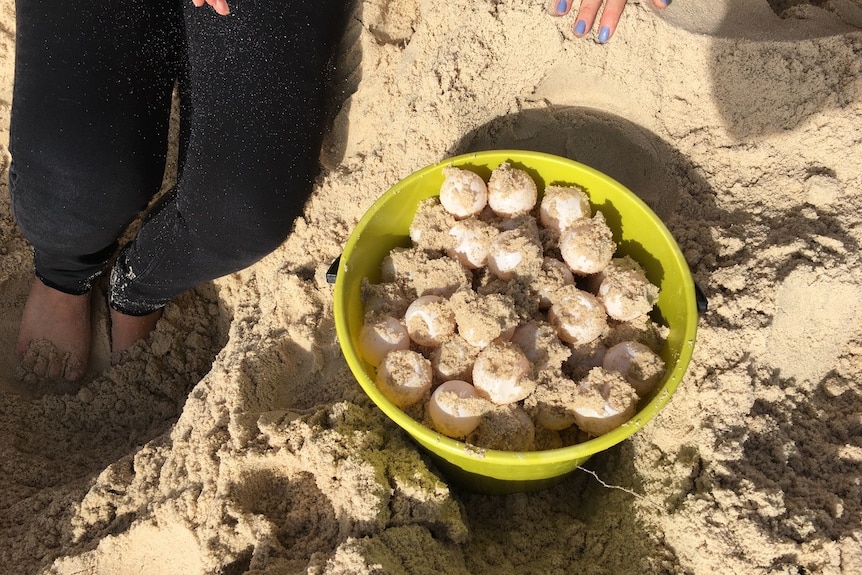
(236, 440)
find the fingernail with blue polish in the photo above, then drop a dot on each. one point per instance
(561, 6)
(604, 34)
(581, 27)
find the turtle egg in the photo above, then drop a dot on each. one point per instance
(627, 294)
(641, 367)
(453, 359)
(429, 320)
(526, 337)
(587, 246)
(511, 192)
(463, 193)
(404, 377)
(453, 408)
(604, 401)
(563, 206)
(472, 239)
(379, 337)
(554, 417)
(499, 374)
(513, 253)
(578, 316)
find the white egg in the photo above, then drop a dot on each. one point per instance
(483, 318)
(604, 402)
(600, 420)
(563, 206)
(641, 367)
(541, 344)
(526, 337)
(429, 320)
(453, 359)
(453, 408)
(578, 316)
(463, 193)
(379, 337)
(511, 192)
(513, 253)
(499, 374)
(627, 294)
(588, 246)
(404, 377)
(472, 239)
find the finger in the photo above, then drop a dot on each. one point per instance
(198, 3)
(586, 16)
(221, 7)
(661, 3)
(562, 7)
(610, 18)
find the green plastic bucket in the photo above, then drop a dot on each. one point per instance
(639, 234)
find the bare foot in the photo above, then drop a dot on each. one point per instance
(54, 338)
(126, 330)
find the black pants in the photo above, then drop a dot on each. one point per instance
(89, 130)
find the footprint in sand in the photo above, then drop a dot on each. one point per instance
(815, 318)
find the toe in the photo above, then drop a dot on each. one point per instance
(40, 365)
(74, 370)
(55, 365)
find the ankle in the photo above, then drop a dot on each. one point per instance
(127, 330)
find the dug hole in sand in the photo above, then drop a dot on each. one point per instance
(236, 441)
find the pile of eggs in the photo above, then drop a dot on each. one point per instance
(510, 308)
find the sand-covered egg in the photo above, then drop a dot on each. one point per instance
(539, 342)
(463, 193)
(430, 320)
(430, 226)
(640, 365)
(381, 335)
(455, 408)
(552, 275)
(578, 316)
(588, 246)
(453, 359)
(511, 192)
(470, 241)
(562, 206)
(500, 374)
(604, 401)
(404, 377)
(625, 290)
(514, 253)
(482, 319)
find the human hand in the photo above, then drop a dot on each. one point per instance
(220, 6)
(611, 13)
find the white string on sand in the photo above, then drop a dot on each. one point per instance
(606, 485)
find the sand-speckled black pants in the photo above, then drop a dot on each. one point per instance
(89, 131)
